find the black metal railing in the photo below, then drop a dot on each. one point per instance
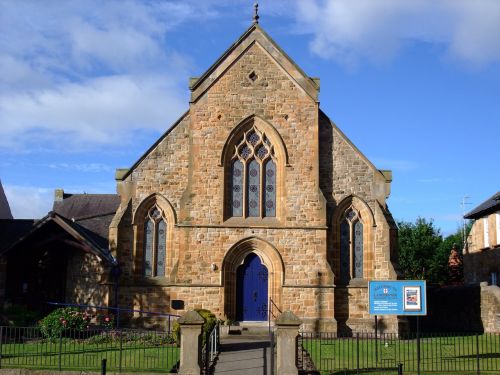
(329, 352)
(210, 350)
(124, 350)
(273, 313)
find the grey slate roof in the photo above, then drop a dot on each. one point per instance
(489, 206)
(5, 212)
(93, 213)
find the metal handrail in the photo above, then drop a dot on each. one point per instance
(272, 307)
(211, 348)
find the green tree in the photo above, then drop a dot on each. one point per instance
(423, 253)
(418, 243)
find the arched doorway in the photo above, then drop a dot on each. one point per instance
(245, 256)
(252, 290)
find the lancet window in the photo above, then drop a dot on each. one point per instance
(351, 246)
(253, 176)
(155, 243)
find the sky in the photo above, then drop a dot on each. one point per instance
(87, 86)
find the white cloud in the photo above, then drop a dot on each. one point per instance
(29, 202)
(79, 74)
(98, 111)
(348, 31)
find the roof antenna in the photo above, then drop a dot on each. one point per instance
(256, 13)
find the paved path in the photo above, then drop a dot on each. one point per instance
(244, 355)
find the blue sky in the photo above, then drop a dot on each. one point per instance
(86, 87)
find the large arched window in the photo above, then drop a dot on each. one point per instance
(351, 246)
(154, 243)
(252, 176)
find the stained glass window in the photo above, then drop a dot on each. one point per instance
(270, 186)
(161, 248)
(253, 177)
(148, 247)
(358, 249)
(237, 189)
(351, 246)
(155, 244)
(345, 252)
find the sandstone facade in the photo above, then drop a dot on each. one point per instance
(482, 254)
(185, 179)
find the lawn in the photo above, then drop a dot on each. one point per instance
(74, 354)
(443, 354)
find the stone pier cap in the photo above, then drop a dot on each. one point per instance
(191, 318)
(288, 318)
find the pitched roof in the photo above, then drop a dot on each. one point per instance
(387, 175)
(89, 240)
(5, 212)
(85, 217)
(489, 206)
(153, 146)
(254, 34)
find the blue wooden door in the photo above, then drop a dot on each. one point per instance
(251, 290)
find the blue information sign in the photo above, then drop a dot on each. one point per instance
(401, 297)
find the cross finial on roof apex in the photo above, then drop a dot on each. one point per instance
(256, 13)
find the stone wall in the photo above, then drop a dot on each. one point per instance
(479, 265)
(482, 259)
(86, 281)
(476, 237)
(490, 307)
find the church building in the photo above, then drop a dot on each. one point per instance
(254, 201)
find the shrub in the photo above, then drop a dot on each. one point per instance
(208, 326)
(54, 324)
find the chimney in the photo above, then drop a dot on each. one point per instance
(58, 195)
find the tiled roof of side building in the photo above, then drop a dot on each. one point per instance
(84, 206)
(489, 206)
(92, 212)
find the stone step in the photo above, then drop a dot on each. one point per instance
(247, 329)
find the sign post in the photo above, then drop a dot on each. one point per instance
(397, 297)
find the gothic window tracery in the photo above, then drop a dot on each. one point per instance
(253, 176)
(351, 246)
(155, 243)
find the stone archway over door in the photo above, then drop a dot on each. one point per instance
(237, 258)
(252, 290)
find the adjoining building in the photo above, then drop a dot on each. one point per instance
(482, 254)
(63, 257)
